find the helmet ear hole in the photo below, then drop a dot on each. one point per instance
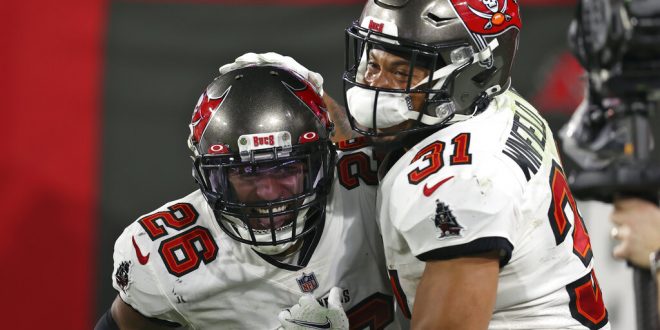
(433, 19)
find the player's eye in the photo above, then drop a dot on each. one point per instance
(289, 170)
(373, 66)
(401, 73)
(243, 172)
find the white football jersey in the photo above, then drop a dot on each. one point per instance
(176, 264)
(494, 182)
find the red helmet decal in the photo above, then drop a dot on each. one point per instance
(204, 110)
(308, 137)
(218, 149)
(488, 17)
(313, 100)
(376, 26)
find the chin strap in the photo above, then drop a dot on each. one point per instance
(480, 106)
(424, 119)
(487, 52)
(446, 70)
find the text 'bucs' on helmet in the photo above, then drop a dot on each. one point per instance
(263, 157)
(415, 64)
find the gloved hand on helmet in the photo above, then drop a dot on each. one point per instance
(249, 59)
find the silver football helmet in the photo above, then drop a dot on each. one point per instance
(448, 58)
(263, 158)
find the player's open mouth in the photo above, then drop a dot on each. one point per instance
(263, 210)
(260, 219)
(262, 225)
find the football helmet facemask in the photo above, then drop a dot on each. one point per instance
(263, 159)
(446, 60)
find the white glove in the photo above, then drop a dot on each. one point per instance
(309, 314)
(250, 59)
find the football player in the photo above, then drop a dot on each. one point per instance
(280, 218)
(479, 226)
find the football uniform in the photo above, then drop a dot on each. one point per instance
(176, 264)
(494, 182)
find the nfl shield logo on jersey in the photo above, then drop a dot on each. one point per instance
(307, 282)
(445, 222)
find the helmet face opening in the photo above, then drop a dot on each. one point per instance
(263, 157)
(390, 81)
(268, 202)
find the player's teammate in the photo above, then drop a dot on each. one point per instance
(479, 225)
(270, 223)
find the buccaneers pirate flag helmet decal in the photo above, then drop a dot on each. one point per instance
(487, 17)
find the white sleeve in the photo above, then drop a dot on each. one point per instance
(468, 214)
(136, 283)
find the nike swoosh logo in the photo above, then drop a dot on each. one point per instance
(429, 190)
(312, 325)
(142, 259)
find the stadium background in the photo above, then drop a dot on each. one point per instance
(95, 99)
